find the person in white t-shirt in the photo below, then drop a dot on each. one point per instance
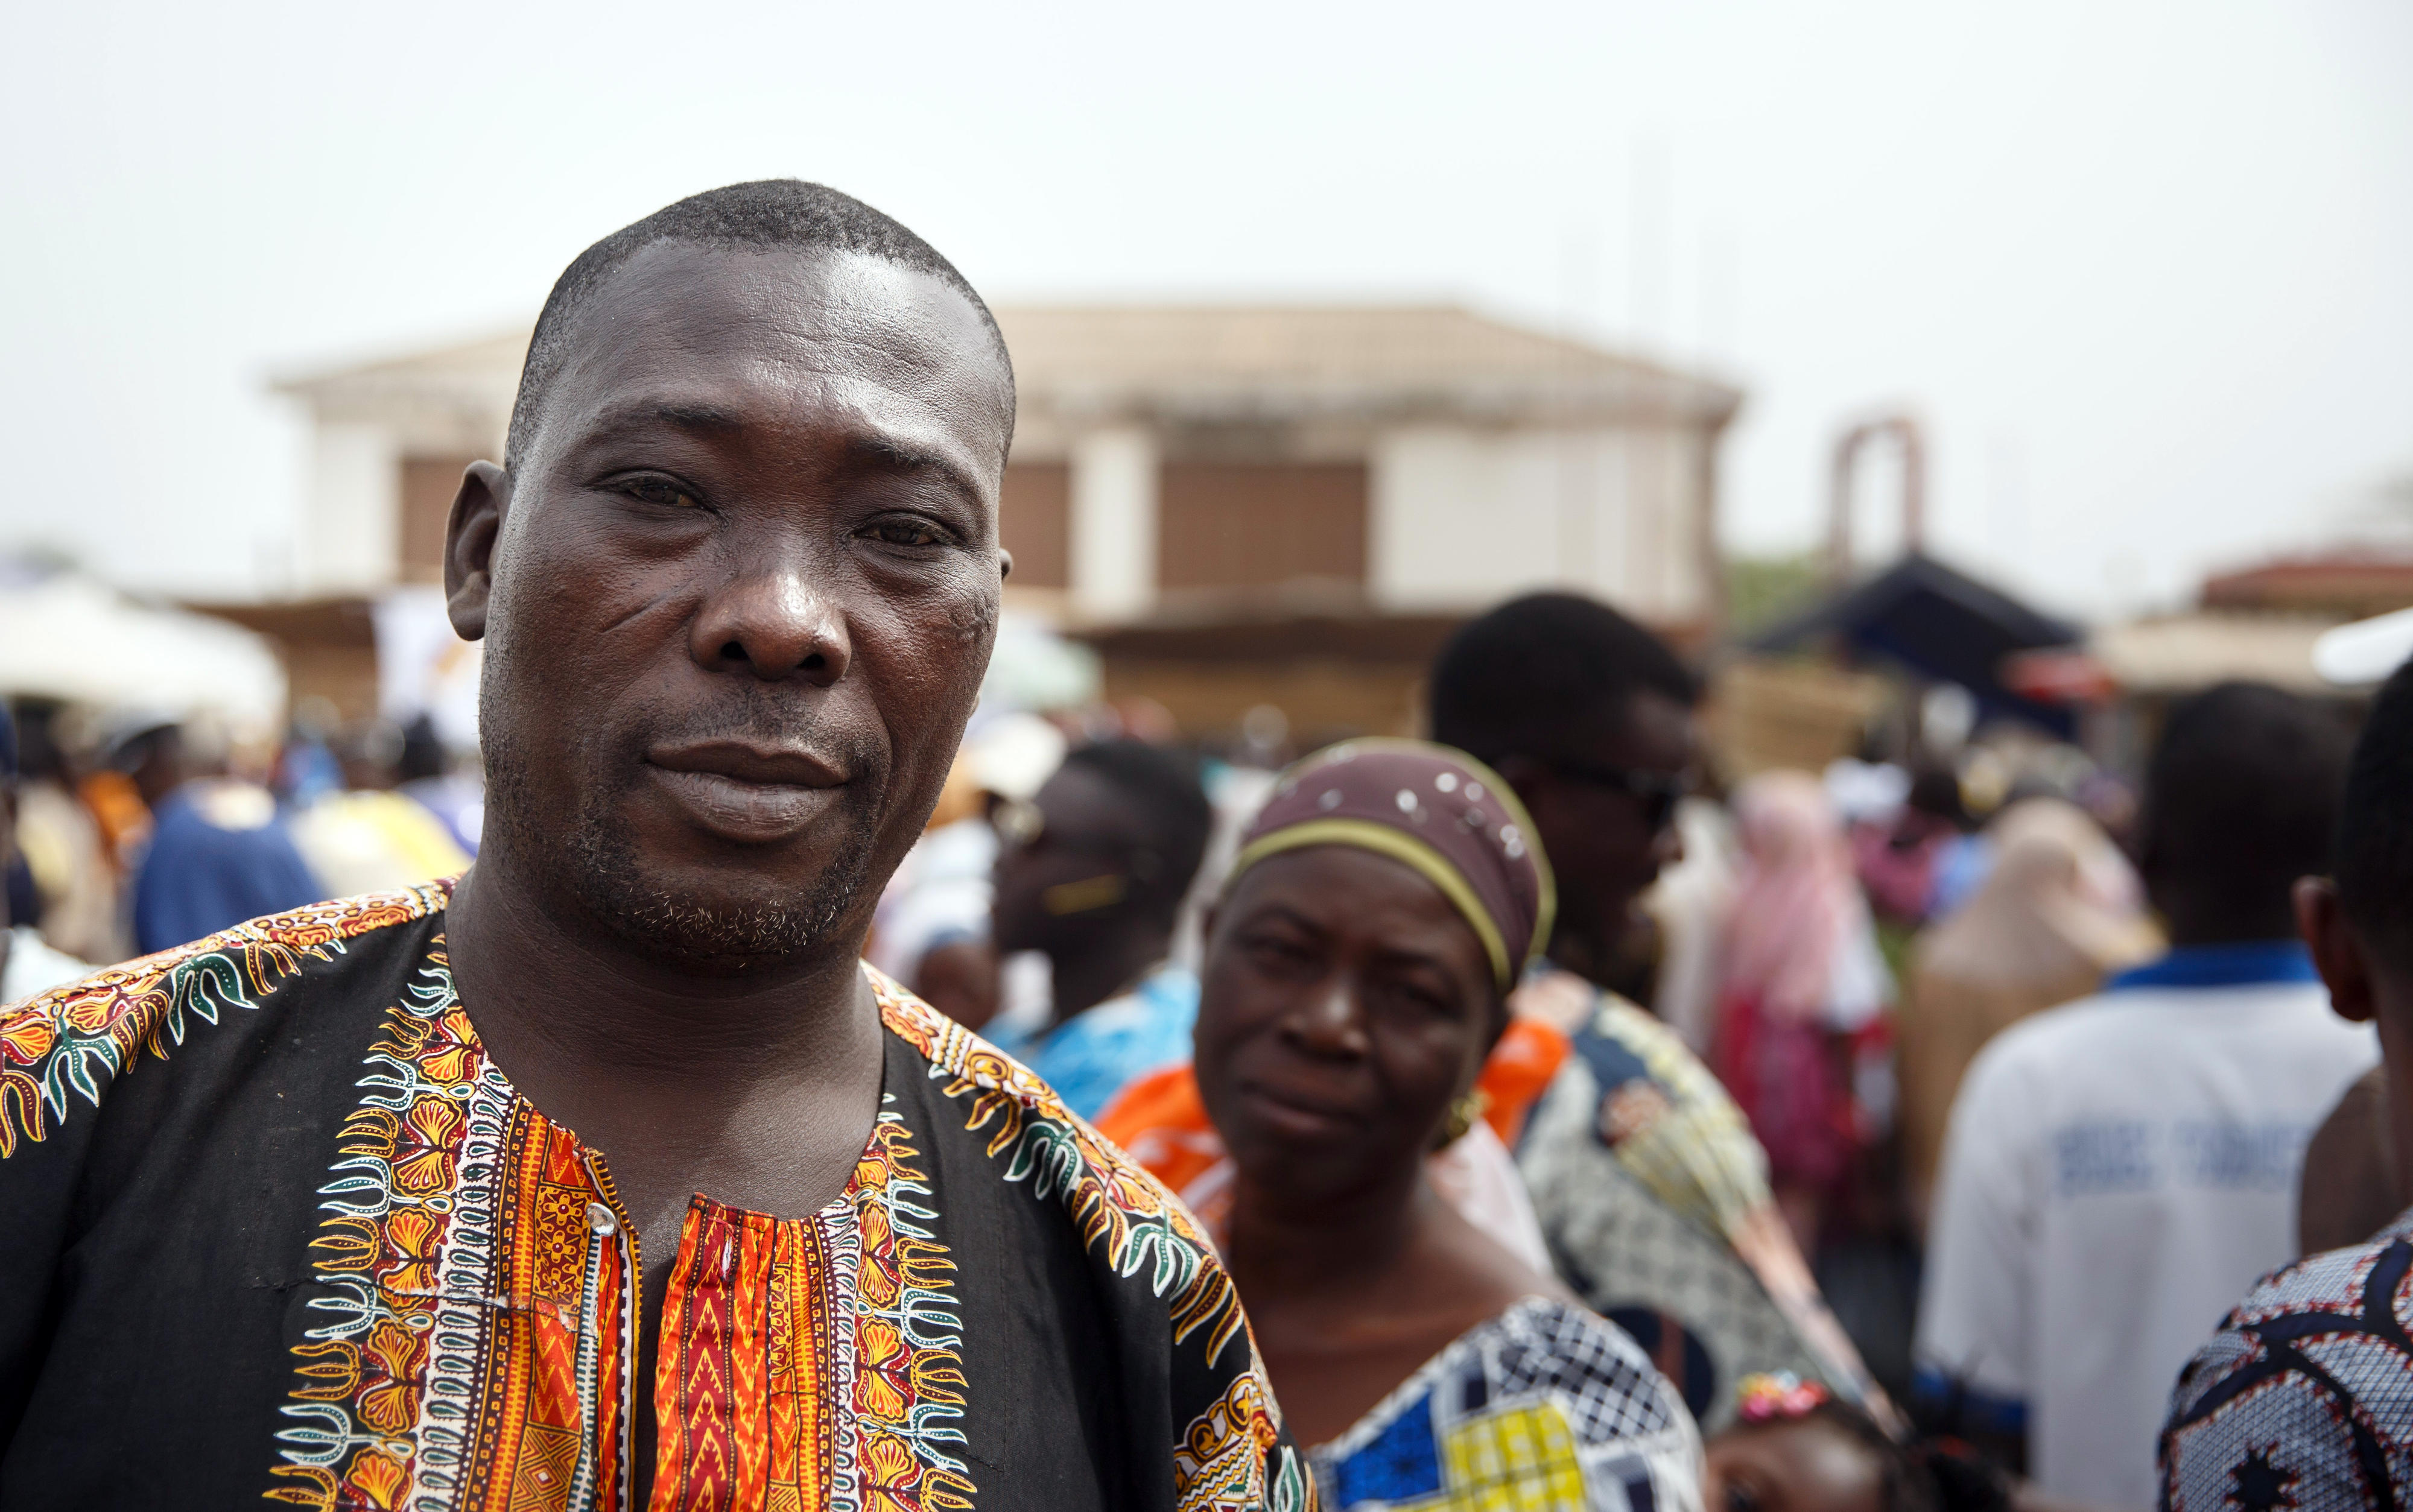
(2118, 1171)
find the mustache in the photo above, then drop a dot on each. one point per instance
(768, 719)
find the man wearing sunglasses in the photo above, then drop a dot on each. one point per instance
(1649, 1188)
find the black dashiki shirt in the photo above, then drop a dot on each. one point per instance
(2303, 1399)
(276, 1227)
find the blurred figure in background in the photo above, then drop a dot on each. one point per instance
(2119, 1169)
(366, 837)
(1802, 994)
(76, 884)
(219, 851)
(1092, 873)
(27, 964)
(933, 929)
(1650, 1189)
(2061, 910)
(1690, 905)
(453, 790)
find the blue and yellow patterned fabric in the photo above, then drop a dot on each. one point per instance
(1546, 1406)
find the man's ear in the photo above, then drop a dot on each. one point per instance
(469, 538)
(2336, 952)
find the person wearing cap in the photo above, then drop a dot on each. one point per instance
(1092, 876)
(1358, 968)
(27, 963)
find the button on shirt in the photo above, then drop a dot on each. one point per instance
(2118, 1171)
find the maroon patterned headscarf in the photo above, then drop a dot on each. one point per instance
(1439, 811)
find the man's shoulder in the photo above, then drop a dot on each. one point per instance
(76, 1037)
(968, 1065)
(1124, 1217)
(2302, 1384)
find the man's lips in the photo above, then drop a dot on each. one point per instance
(746, 792)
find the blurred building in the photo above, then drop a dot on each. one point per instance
(1237, 505)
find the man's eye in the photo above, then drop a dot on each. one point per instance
(660, 491)
(904, 530)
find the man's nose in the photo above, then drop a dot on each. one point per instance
(775, 622)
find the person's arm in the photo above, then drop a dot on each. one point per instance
(1973, 1367)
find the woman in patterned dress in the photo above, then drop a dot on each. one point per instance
(1355, 976)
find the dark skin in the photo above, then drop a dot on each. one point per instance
(2197, 908)
(1344, 1007)
(1074, 893)
(2366, 986)
(738, 592)
(1604, 851)
(1800, 1465)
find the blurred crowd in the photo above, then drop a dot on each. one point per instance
(1920, 1114)
(139, 829)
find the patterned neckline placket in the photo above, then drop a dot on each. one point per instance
(483, 1281)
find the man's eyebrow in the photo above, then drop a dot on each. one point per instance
(905, 456)
(679, 414)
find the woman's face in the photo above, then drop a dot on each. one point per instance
(1344, 1005)
(1800, 1466)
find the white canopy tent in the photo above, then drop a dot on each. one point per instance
(72, 638)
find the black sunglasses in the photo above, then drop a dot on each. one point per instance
(1658, 792)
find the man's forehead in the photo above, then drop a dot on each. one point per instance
(679, 320)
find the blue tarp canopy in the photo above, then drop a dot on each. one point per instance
(1941, 625)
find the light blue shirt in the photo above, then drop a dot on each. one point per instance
(1095, 1054)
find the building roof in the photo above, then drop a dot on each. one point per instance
(2182, 652)
(1329, 356)
(1182, 361)
(2347, 584)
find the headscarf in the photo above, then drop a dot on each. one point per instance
(1794, 900)
(2061, 905)
(1436, 809)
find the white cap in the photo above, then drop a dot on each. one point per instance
(1014, 754)
(2365, 651)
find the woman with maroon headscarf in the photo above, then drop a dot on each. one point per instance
(1357, 975)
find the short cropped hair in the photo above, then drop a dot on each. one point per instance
(1518, 679)
(2242, 796)
(768, 212)
(2375, 834)
(1163, 788)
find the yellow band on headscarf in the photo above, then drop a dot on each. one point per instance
(1399, 845)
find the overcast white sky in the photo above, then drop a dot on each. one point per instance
(2146, 268)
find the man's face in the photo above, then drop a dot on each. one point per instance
(1607, 845)
(741, 594)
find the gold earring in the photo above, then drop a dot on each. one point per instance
(1463, 1111)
